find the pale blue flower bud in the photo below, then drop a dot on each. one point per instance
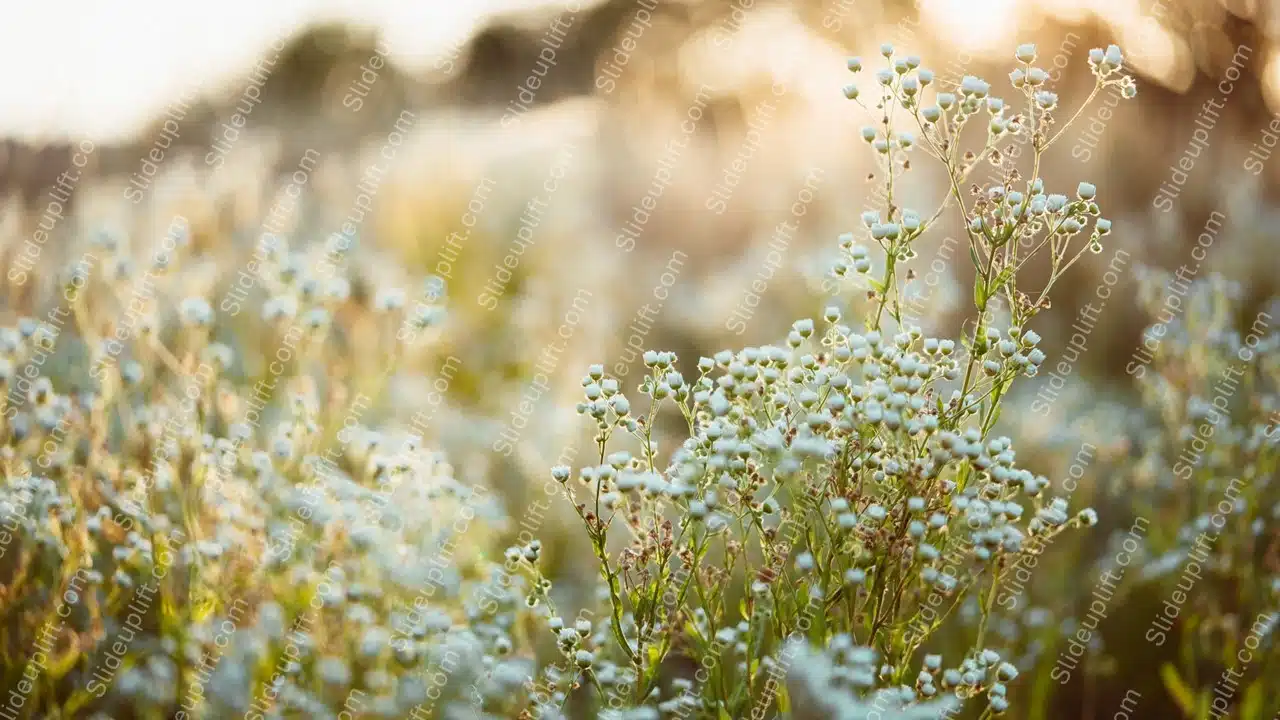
(1114, 58)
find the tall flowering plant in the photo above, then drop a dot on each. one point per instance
(839, 496)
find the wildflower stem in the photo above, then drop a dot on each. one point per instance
(890, 260)
(988, 605)
(1097, 86)
(615, 599)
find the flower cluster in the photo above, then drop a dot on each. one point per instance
(842, 492)
(189, 531)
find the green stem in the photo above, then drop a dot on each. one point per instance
(987, 607)
(1096, 87)
(891, 259)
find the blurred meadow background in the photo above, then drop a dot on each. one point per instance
(481, 242)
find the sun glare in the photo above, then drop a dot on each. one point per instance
(974, 26)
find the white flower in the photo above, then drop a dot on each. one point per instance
(196, 311)
(971, 85)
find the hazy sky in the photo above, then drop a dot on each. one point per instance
(105, 67)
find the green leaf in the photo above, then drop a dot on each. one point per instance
(1002, 279)
(78, 700)
(1252, 705)
(979, 294)
(64, 664)
(1178, 689)
(995, 415)
(973, 254)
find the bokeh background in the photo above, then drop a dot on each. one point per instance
(426, 91)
